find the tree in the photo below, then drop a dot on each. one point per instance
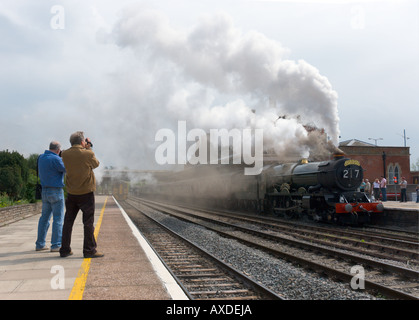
(11, 182)
(14, 174)
(33, 161)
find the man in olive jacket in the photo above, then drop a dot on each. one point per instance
(79, 162)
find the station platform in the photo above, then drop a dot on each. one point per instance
(130, 270)
(403, 216)
(408, 206)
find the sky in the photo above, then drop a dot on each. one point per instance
(122, 70)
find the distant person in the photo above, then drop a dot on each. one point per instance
(376, 189)
(362, 186)
(51, 173)
(403, 186)
(79, 162)
(367, 189)
(417, 193)
(383, 188)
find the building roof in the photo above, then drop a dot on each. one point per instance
(355, 143)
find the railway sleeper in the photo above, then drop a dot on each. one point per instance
(223, 284)
(233, 298)
(208, 279)
(219, 292)
(402, 286)
(199, 275)
(196, 270)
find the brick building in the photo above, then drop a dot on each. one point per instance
(378, 161)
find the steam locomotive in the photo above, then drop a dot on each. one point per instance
(324, 190)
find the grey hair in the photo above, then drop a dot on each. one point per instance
(54, 145)
(76, 138)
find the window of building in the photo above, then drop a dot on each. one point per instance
(393, 173)
(390, 174)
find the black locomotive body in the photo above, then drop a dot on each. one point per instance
(324, 190)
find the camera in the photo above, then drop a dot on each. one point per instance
(89, 142)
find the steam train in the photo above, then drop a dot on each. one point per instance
(120, 190)
(324, 190)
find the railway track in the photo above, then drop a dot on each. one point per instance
(382, 245)
(200, 274)
(387, 279)
(392, 232)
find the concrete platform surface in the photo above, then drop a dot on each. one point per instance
(401, 205)
(129, 269)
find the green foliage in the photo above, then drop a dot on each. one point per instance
(5, 201)
(31, 186)
(32, 161)
(11, 181)
(17, 178)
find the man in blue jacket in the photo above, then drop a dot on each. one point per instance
(51, 173)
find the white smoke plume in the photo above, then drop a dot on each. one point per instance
(216, 76)
(212, 75)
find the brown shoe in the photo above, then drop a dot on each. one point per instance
(94, 255)
(63, 255)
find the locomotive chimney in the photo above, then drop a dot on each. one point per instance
(338, 155)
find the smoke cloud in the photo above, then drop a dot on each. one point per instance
(216, 76)
(212, 75)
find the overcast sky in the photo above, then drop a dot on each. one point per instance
(121, 70)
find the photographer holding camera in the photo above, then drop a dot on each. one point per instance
(79, 162)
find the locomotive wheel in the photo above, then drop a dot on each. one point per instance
(286, 203)
(268, 207)
(331, 214)
(259, 207)
(289, 214)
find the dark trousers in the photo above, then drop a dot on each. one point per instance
(403, 194)
(376, 193)
(74, 203)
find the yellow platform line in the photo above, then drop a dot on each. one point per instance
(80, 282)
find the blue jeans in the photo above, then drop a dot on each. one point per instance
(384, 193)
(52, 203)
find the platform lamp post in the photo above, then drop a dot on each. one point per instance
(375, 139)
(384, 156)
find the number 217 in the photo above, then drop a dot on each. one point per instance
(348, 174)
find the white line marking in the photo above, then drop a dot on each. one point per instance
(169, 282)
